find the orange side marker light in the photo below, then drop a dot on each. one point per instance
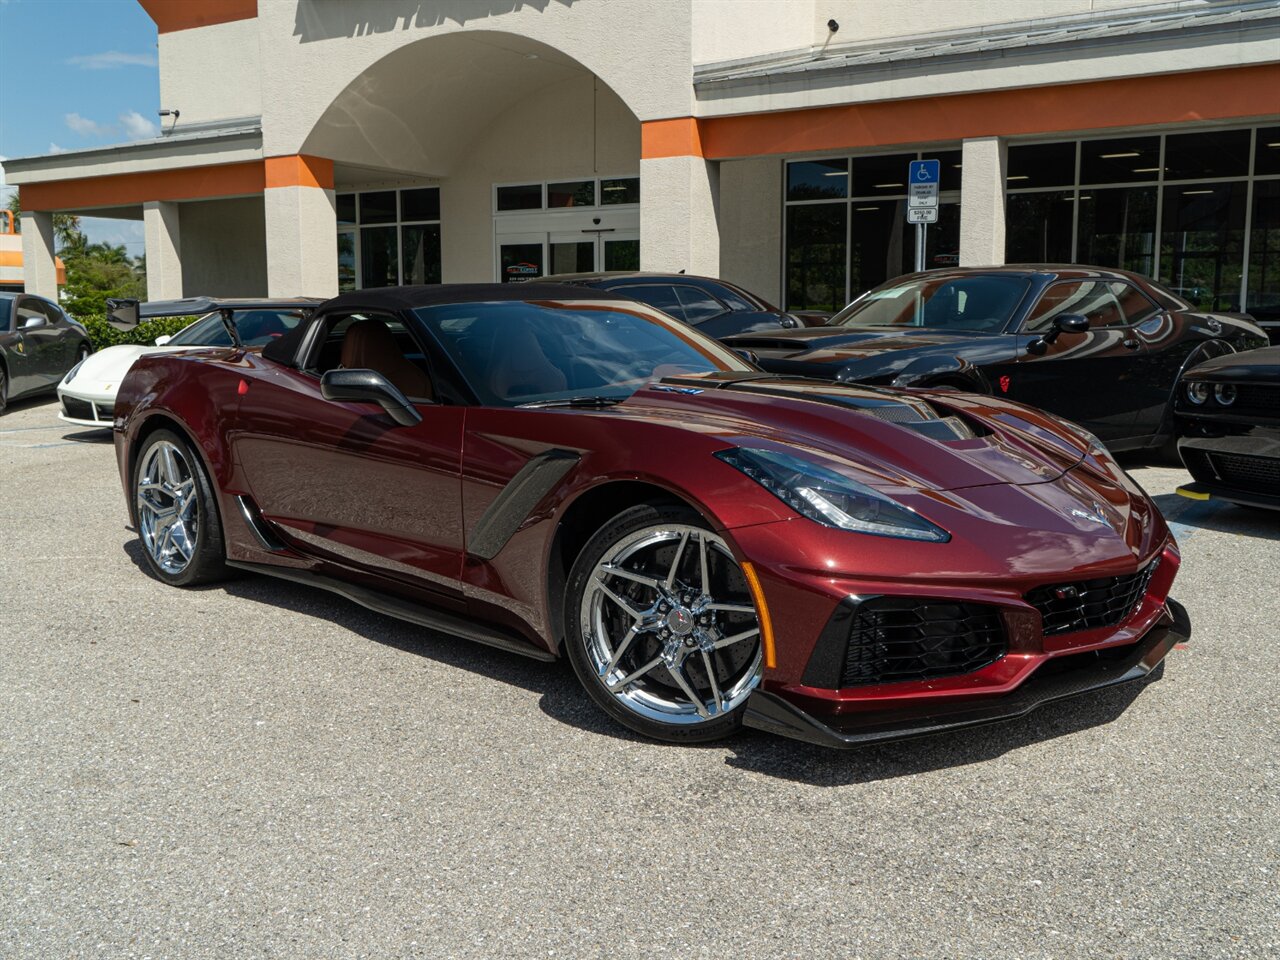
(762, 610)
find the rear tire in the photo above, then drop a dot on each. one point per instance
(177, 513)
(661, 628)
(4, 389)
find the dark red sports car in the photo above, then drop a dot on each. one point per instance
(562, 472)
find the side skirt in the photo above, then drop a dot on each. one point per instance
(392, 606)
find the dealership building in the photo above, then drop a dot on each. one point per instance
(323, 145)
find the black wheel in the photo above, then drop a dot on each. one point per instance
(661, 628)
(177, 513)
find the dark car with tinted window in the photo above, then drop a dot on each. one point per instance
(716, 307)
(39, 343)
(1103, 348)
(1229, 417)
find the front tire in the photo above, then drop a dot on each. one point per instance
(661, 628)
(177, 513)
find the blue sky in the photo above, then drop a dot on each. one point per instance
(76, 74)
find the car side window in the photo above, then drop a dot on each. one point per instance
(28, 310)
(1135, 304)
(699, 306)
(1090, 299)
(733, 300)
(660, 295)
(54, 313)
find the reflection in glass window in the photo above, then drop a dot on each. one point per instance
(346, 209)
(622, 254)
(1202, 243)
(421, 253)
(1118, 228)
(346, 261)
(526, 196)
(817, 179)
(1133, 303)
(816, 256)
(1042, 165)
(978, 303)
(620, 190)
(882, 243)
(378, 255)
(379, 207)
(949, 167)
(521, 261)
(1264, 251)
(1038, 227)
(699, 306)
(1219, 153)
(575, 193)
(1090, 299)
(1125, 160)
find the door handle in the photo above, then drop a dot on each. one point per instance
(1132, 344)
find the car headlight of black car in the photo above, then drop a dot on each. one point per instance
(71, 374)
(830, 498)
(1198, 392)
(1225, 394)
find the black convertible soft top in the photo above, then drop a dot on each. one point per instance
(285, 349)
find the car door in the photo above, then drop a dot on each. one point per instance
(1168, 340)
(36, 345)
(344, 482)
(1092, 378)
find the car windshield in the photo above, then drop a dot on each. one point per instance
(256, 328)
(974, 303)
(519, 352)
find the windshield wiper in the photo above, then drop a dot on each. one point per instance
(585, 402)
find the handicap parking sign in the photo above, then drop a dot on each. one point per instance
(923, 171)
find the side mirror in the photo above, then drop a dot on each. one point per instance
(369, 386)
(1065, 323)
(163, 339)
(122, 313)
(32, 323)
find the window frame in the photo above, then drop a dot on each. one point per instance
(357, 229)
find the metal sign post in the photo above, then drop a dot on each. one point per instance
(922, 201)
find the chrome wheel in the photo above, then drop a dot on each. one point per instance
(168, 507)
(669, 626)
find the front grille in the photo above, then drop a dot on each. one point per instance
(1090, 604)
(1257, 398)
(106, 411)
(77, 409)
(1247, 473)
(893, 639)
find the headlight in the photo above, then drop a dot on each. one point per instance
(71, 374)
(830, 498)
(1197, 393)
(1225, 394)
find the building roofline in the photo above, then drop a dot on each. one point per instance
(226, 131)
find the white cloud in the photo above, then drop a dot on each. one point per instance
(86, 127)
(138, 127)
(110, 59)
(54, 148)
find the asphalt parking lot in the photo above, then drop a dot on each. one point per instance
(260, 769)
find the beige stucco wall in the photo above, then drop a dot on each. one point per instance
(212, 73)
(736, 29)
(751, 225)
(224, 248)
(548, 137)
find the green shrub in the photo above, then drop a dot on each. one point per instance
(102, 334)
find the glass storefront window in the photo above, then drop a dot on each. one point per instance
(1216, 153)
(1266, 156)
(378, 266)
(818, 179)
(880, 176)
(1041, 165)
(816, 256)
(420, 249)
(520, 261)
(527, 196)
(573, 256)
(575, 193)
(422, 204)
(1118, 228)
(346, 209)
(379, 207)
(1124, 160)
(1038, 227)
(1264, 250)
(1202, 243)
(949, 167)
(621, 254)
(619, 190)
(346, 260)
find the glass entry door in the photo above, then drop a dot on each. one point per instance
(529, 256)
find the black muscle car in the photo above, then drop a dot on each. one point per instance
(1229, 417)
(1104, 348)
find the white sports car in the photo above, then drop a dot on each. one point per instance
(88, 391)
